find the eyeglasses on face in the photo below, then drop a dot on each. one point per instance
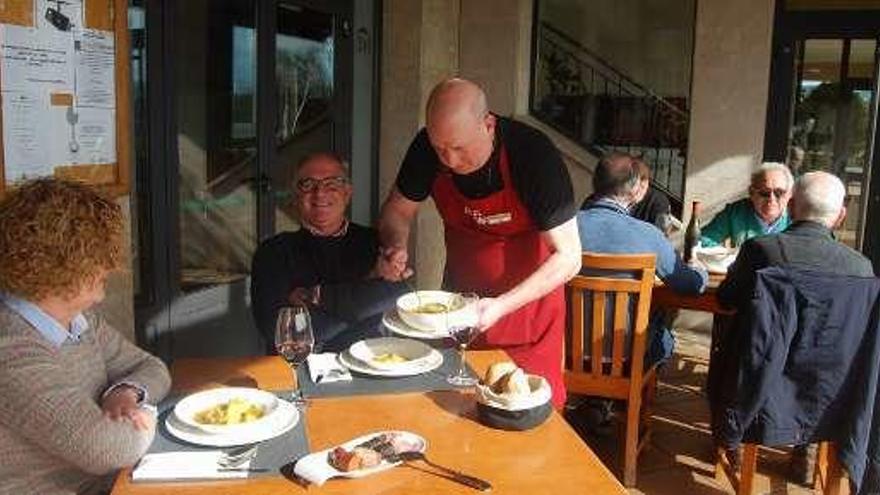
(308, 184)
(766, 193)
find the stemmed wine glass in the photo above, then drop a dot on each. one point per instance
(294, 340)
(463, 329)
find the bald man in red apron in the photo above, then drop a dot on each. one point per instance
(508, 213)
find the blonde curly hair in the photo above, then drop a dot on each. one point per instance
(56, 237)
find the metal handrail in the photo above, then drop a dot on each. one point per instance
(576, 91)
(575, 48)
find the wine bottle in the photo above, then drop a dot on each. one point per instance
(692, 234)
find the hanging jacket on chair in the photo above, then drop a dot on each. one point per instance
(808, 363)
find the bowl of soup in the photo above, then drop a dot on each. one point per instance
(431, 310)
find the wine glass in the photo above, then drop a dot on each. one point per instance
(294, 340)
(463, 329)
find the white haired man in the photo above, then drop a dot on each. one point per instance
(817, 207)
(763, 212)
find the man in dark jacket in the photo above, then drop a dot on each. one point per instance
(816, 208)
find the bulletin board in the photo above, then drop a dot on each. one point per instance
(65, 90)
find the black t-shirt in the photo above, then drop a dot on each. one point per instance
(536, 168)
(652, 208)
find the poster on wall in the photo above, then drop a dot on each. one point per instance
(36, 60)
(26, 155)
(58, 91)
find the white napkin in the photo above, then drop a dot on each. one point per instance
(314, 468)
(171, 466)
(325, 368)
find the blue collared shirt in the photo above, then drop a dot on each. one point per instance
(48, 327)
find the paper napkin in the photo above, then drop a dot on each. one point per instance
(192, 465)
(325, 368)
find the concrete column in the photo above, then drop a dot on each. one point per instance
(731, 78)
(420, 48)
(118, 304)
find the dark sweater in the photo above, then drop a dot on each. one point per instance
(340, 265)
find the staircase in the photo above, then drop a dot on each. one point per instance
(585, 98)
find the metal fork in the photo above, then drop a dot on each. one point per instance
(450, 473)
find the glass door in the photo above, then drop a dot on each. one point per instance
(310, 116)
(831, 123)
(822, 109)
(250, 87)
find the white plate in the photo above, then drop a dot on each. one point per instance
(315, 467)
(286, 416)
(716, 259)
(430, 363)
(413, 351)
(189, 406)
(392, 322)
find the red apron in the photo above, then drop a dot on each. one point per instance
(492, 244)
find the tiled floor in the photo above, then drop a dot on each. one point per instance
(678, 461)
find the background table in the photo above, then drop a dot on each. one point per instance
(548, 459)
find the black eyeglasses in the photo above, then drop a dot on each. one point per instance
(333, 184)
(765, 193)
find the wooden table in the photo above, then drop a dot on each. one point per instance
(663, 296)
(547, 459)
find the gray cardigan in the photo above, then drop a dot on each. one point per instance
(54, 438)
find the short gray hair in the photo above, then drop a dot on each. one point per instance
(768, 167)
(818, 197)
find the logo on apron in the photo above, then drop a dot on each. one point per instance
(482, 219)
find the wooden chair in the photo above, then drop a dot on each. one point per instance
(621, 377)
(828, 478)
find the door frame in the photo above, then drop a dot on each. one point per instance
(158, 182)
(790, 27)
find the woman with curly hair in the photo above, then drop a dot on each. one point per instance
(74, 391)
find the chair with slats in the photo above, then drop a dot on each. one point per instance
(829, 478)
(619, 376)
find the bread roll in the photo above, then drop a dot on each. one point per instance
(517, 383)
(496, 372)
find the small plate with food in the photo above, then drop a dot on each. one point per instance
(432, 361)
(226, 410)
(282, 419)
(391, 353)
(362, 456)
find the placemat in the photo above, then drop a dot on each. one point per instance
(362, 384)
(271, 454)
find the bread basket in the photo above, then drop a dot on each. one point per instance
(515, 411)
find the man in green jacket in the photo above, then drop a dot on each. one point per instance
(763, 212)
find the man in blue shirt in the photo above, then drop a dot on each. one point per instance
(606, 227)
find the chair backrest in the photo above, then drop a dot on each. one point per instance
(608, 376)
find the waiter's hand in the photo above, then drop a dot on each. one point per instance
(393, 264)
(490, 312)
(390, 268)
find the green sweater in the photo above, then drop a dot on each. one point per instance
(738, 222)
(54, 438)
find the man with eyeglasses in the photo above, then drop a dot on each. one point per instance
(508, 212)
(330, 264)
(763, 212)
